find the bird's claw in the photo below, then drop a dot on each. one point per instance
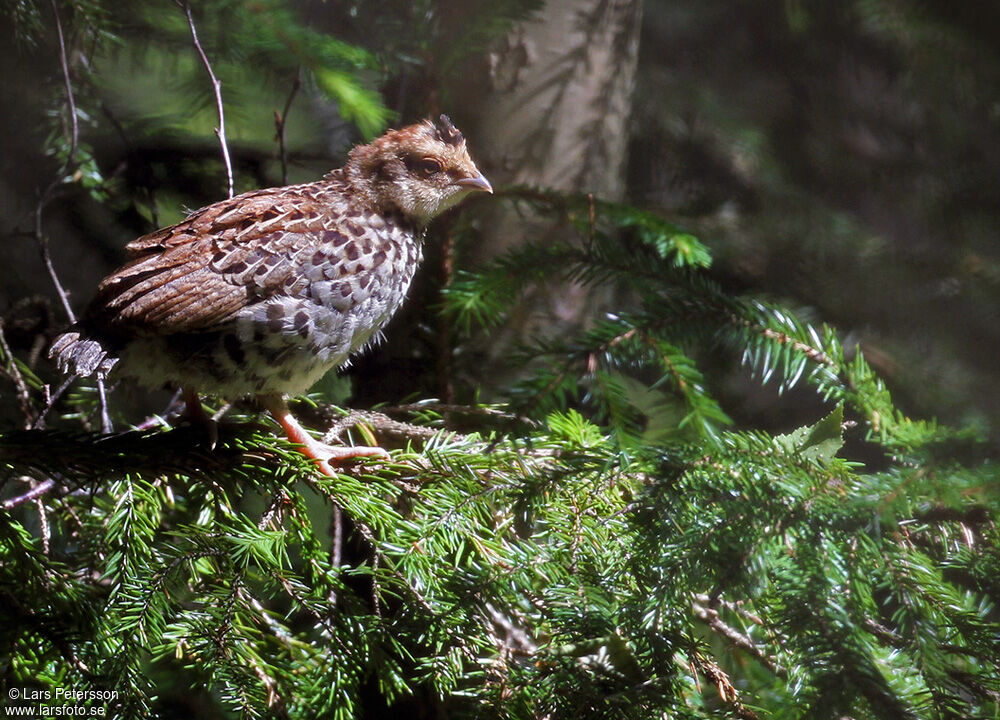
(329, 456)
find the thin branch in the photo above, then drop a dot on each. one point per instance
(43, 243)
(516, 637)
(814, 354)
(43, 248)
(35, 492)
(161, 420)
(337, 547)
(217, 89)
(75, 135)
(50, 402)
(11, 369)
(270, 684)
(279, 124)
(711, 618)
(727, 691)
(368, 535)
(42, 625)
(46, 530)
(451, 409)
(731, 606)
(273, 512)
(148, 187)
(379, 422)
(443, 364)
(106, 426)
(40, 238)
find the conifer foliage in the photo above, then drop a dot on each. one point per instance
(601, 540)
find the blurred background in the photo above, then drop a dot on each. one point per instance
(840, 157)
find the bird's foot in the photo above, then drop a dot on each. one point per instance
(328, 457)
(325, 456)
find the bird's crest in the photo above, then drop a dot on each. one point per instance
(448, 133)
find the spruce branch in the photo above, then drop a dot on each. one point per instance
(378, 558)
(381, 423)
(727, 691)
(76, 457)
(710, 617)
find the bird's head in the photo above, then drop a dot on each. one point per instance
(420, 170)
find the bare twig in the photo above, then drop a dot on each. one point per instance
(117, 125)
(379, 422)
(50, 401)
(443, 341)
(43, 243)
(11, 369)
(731, 606)
(279, 125)
(727, 691)
(43, 248)
(711, 618)
(516, 637)
(812, 353)
(106, 426)
(376, 588)
(156, 420)
(43, 523)
(337, 548)
(217, 89)
(452, 409)
(35, 492)
(221, 412)
(75, 134)
(40, 238)
(273, 512)
(368, 535)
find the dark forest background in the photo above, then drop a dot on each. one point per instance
(695, 417)
(842, 157)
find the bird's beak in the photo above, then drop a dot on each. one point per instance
(477, 182)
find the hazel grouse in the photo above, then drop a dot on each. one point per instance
(264, 293)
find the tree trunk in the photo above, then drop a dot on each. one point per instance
(556, 116)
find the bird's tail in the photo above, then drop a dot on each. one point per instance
(79, 355)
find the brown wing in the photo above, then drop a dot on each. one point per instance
(199, 273)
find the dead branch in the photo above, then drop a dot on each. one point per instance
(378, 421)
(34, 493)
(279, 125)
(711, 618)
(217, 90)
(75, 134)
(11, 369)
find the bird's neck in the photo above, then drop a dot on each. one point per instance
(362, 194)
(364, 191)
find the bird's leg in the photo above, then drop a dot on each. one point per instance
(196, 414)
(324, 455)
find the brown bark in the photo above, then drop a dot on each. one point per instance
(556, 116)
(561, 90)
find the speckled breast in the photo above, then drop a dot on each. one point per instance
(344, 290)
(316, 297)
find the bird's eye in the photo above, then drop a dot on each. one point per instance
(425, 167)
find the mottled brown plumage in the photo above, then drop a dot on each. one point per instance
(264, 293)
